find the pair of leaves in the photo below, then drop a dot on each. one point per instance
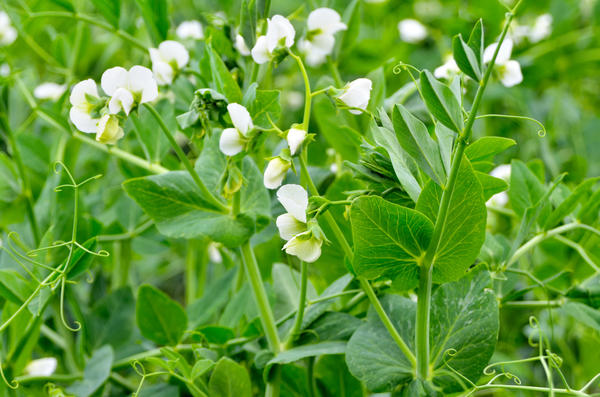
(469, 55)
(464, 320)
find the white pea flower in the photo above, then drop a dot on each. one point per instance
(8, 34)
(280, 33)
(214, 254)
(502, 172)
(109, 130)
(295, 138)
(356, 94)
(541, 28)
(295, 200)
(241, 46)
(509, 70)
(412, 31)
(323, 23)
(305, 246)
(168, 59)
(275, 172)
(190, 30)
(232, 139)
(81, 110)
(128, 88)
(447, 70)
(50, 91)
(41, 367)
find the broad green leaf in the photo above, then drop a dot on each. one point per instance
(156, 18)
(466, 59)
(201, 367)
(215, 334)
(332, 372)
(66, 4)
(96, 372)
(261, 105)
(441, 102)
(569, 204)
(110, 10)
(525, 188)
(111, 321)
(229, 379)
(490, 185)
(481, 152)
(215, 297)
(316, 310)
(14, 287)
(464, 319)
(464, 230)
(476, 42)
(221, 77)
(159, 318)
(389, 240)
(414, 138)
(331, 326)
(583, 313)
(385, 138)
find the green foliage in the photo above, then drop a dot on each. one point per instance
(158, 317)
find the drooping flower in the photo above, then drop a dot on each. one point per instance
(190, 30)
(357, 94)
(295, 138)
(280, 34)
(83, 97)
(502, 172)
(241, 46)
(305, 246)
(275, 172)
(49, 90)
(412, 31)
(8, 34)
(509, 70)
(233, 139)
(41, 367)
(128, 89)
(323, 23)
(167, 60)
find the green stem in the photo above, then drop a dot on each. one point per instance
(191, 272)
(207, 195)
(307, 93)
(534, 304)
(426, 265)
(301, 305)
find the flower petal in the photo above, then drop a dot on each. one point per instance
(79, 91)
(241, 46)
(294, 199)
(163, 73)
(141, 81)
(326, 20)
(49, 91)
(121, 99)
(511, 74)
(231, 142)
(412, 31)
(275, 172)
(307, 249)
(295, 137)
(503, 53)
(190, 30)
(109, 130)
(41, 367)
(260, 52)
(240, 118)
(278, 28)
(82, 120)
(173, 51)
(114, 78)
(357, 94)
(289, 226)
(324, 43)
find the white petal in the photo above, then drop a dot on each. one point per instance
(122, 99)
(510, 74)
(260, 53)
(190, 30)
(173, 51)
(82, 120)
(447, 70)
(41, 367)
(109, 131)
(294, 199)
(498, 199)
(214, 254)
(275, 172)
(114, 78)
(326, 20)
(502, 171)
(503, 53)
(289, 226)
(141, 81)
(295, 137)
(241, 46)
(279, 28)
(155, 55)
(240, 118)
(231, 142)
(357, 94)
(163, 73)
(412, 31)
(49, 91)
(541, 28)
(308, 250)
(79, 91)
(324, 43)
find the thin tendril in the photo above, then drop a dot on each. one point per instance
(541, 132)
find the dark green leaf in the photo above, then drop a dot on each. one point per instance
(476, 42)
(441, 102)
(466, 59)
(159, 318)
(221, 77)
(97, 371)
(229, 379)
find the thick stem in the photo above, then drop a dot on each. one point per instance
(301, 305)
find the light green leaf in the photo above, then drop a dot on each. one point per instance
(10, 187)
(221, 76)
(441, 102)
(159, 318)
(490, 185)
(261, 103)
(156, 18)
(389, 240)
(14, 287)
(300, 352)
(583, 313)
(201, 367)
(481, 152)
(97, 371)
(229, 379)
(286, 286)
(110, 10)
(476, 42)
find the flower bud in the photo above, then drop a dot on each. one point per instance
(41, 367)
(190, 30)
(412, 31)
(356, 94)
(109, 131)
(306, 246)
(275, 172)
(295, 138)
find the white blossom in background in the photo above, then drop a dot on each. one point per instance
(501, 172)
(295, 137)
(447, 70)
(232, 139)
(109, 130)
(214, 254)
(81, 110)
(412, 31)
(4, 70)
(50, 91)
(356, 94)
(275, 172)
(280, 33)
(241, 46)
(304, 239)
(542, 28)
(167, 60)
(190, 30)
(8, 34)
(128, 89)
(323, 23)
(509, 70)
(41, 367)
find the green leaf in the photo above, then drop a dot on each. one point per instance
(464, 318)
(466, 59)
(525, 188)
(97, 371)
(286, 286)
(314, 350)
(464, 230)
(110, 10)
(261, 103)
(66, 4)
(351, 17)
(414, 138)
(222, 79)
(490, 185)
(316, 310)
(215, 297)
(441, 102)
(229, 379)
(156, 18)
(476, 42)
(583, 313)
(14, 287)
(201, 367)
(481, 152)
(82, 260)
(159, 318)
(332, 372)
(10, 186)
(111, 321)
(389, 240)
(377, 76)
(569, 204)
(445, 138)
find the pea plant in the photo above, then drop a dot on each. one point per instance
(246, 203)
